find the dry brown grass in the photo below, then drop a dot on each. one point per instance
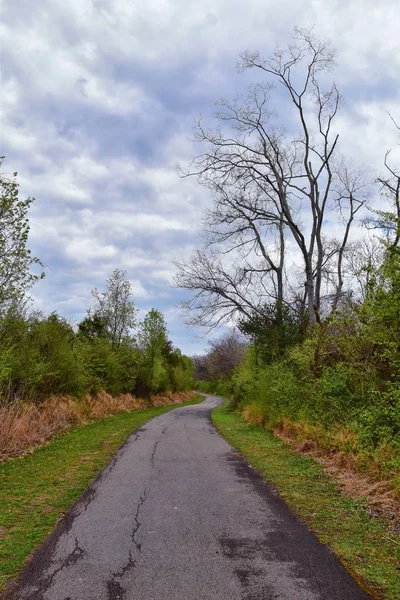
(252, 415)
(25, 426)
(337, 451)
(381, 496)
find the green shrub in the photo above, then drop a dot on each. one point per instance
(41, 356)
(341, 384)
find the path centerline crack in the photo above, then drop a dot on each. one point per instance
(114, 588)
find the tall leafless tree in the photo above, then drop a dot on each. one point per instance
(238, 225)
(268, 182)
(219, 290)
(363, 261)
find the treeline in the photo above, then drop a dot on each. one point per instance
(318, 303)
(41, 356)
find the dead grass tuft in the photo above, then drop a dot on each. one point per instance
(252, 415)
(307, 446)
(25, 426)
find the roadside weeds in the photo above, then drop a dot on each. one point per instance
(380, 497)
(25, 425)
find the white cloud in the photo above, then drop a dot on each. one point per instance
(97, 102)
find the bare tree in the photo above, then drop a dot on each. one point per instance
(239, 223)
(269, 182)
(241, 267)
(224, 355)
(351, 191)
(363, 261)
(219, 291)
(389, 221)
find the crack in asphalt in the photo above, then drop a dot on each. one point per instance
(153, 454)
(137, 523)
(73, 557)
(90, 496)
(114, 587)
(120, 452)
(76, 554)
(115, 591)
(135, 435)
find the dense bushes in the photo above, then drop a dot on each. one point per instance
(341, 386)
(41, 356)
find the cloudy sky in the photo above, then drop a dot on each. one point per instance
(98, 99)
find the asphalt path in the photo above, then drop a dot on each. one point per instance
(179, 515)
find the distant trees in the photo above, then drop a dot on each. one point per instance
(114, 309)
(16, 260)
(275, 190)
(224, 355)
(119, 349)
(46, 355)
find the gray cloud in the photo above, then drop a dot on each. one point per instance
(98, 98)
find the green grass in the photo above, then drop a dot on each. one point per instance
(36, 490)
(362, 543)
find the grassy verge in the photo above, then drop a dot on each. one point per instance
(361, 542)
(36, 490)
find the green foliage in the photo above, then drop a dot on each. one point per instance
(162, 366)
(38, 357)
(93, 326)
(180, 371)
(16, 260)
(278, 328)
(219, 387)
(115, 312)
(153, 342)
(109, 367)
(42, 356)
(344, 376)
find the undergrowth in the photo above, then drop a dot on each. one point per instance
(326, 411)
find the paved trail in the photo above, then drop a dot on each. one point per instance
(179, 515)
